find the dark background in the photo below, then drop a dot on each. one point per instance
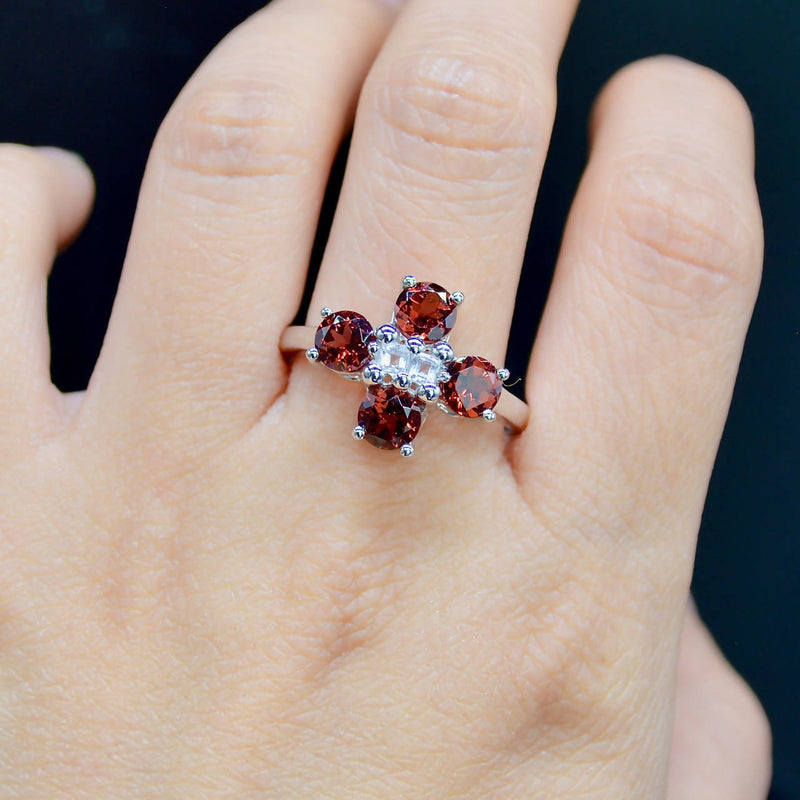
(97, 76)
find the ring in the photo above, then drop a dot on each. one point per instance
(408, 366)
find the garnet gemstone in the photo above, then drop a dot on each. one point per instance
(474, 387)
(390, 417)
(343, 339)
(425, 310)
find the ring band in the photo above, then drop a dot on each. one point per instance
(408, 365)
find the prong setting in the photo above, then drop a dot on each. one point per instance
(409, 282)
(325, 312)
(457, 297)
(489, 415)
(402, 381)
(312, 354)
(415, 345)
(444, 351)
(407, 450)
(386, 334)
(373, 373)
(430, 392)
(503, 374)
(359, 432)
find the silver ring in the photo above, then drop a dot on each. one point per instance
(408, 366)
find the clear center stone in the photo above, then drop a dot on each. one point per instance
(422, 368)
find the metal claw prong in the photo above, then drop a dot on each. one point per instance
(430, 392)
(407, 450)
(444, 351)
(503, 374)
(359, 432)
(409, 282)
(457, 297)
(402, 381)
(372, 347)
(489, 415)
(386, 334)
(373, 373)
(415, 344)
(325, 311)
(312, 354)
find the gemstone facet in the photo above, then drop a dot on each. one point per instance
(425, 310)
(473, 387)
(343, 340)
(390, 417)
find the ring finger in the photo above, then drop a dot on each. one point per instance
(451, 134)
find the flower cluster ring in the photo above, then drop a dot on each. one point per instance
(408, 365)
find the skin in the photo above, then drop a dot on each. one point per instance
(208, 590)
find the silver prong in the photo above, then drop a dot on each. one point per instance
(359, 432)
(325, 312)
(407, 450)
(457, 297)
(402, 381)
(489, 415)
(372, 373)
(372, 347)
(409, 282)
(444, 351)
(386, 334)
(430, 392)
(312, 354)
(503, 374)
(415, 344)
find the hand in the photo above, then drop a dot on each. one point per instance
(208, 590)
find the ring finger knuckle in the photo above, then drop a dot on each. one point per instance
(453, 114)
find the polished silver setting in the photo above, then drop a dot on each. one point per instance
(419, 368)
(387, 334)
(372, 374)
(444, 351)
(415, 345)
(430, 392)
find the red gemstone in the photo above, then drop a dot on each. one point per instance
(343, 341)
(425, 310)
(474, 387)
(390, 417)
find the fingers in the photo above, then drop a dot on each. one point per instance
(227, 218)
(450, 138)
(45, 197)
(721, 741)
(633, 368)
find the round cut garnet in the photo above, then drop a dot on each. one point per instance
(390, 417)
(343, 339)
(474, 387)
(425, 310)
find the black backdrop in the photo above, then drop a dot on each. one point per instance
(98, 75)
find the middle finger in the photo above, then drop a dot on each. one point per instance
(450, 138)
